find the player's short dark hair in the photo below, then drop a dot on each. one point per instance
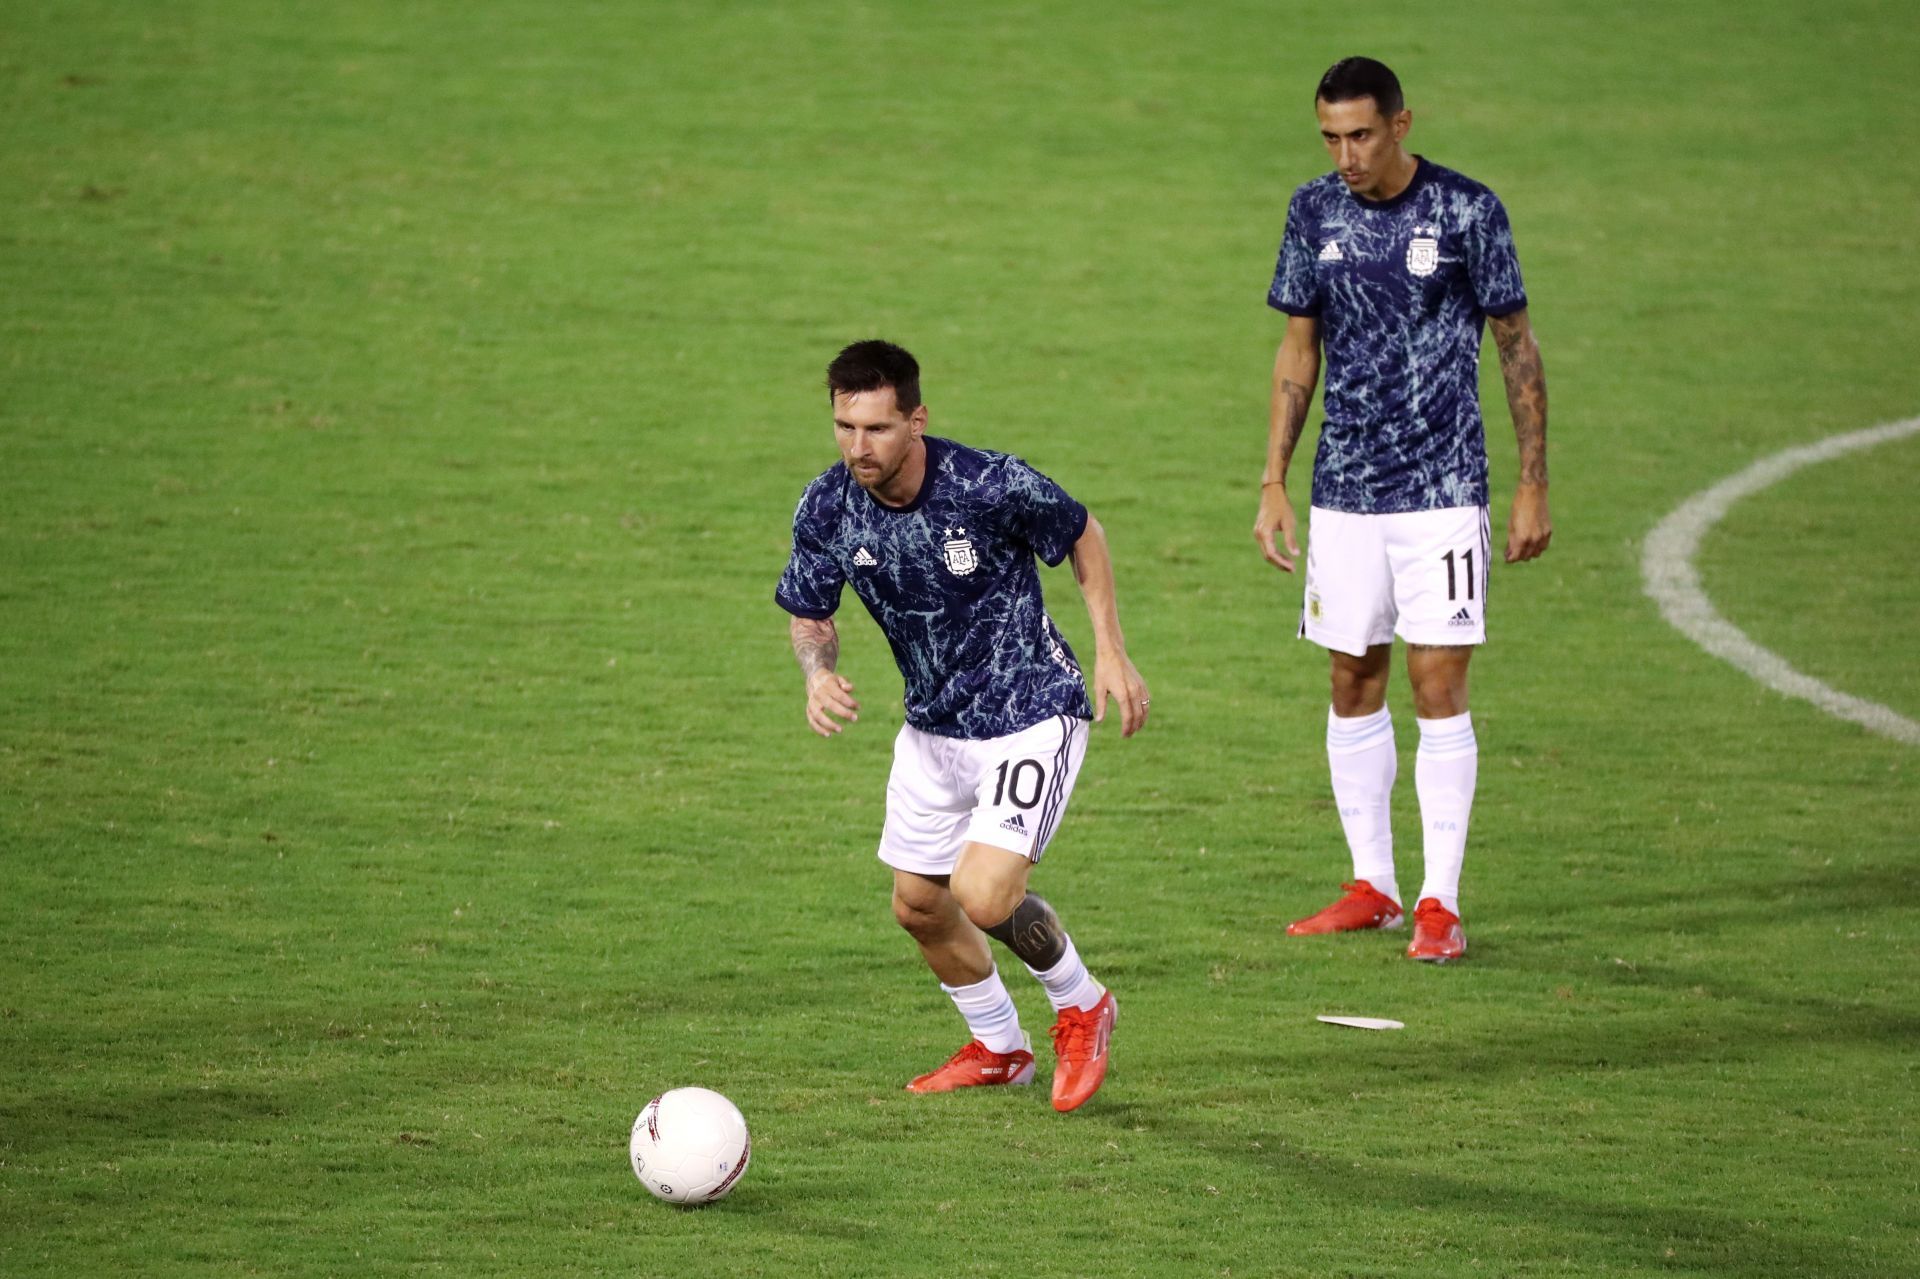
(872, 364)
(1352, 78)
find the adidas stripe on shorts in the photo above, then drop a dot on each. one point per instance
(1009, 792)
(1420, 575)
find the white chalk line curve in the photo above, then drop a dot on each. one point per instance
(1666, 569)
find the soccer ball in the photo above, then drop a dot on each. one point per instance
(690, 1146)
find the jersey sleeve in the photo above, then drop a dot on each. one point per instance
(1492, 263)
(1039, 513)
(1295, 290)
(810, 586)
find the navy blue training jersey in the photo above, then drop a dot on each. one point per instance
(1402, 288)
(950, 579)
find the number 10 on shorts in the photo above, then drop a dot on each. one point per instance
(1019, 782)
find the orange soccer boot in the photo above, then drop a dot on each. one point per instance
(1436, 933)
(1080, 1042)
(976, 1066)
(1360, 906)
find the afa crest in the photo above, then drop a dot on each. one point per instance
(1423, 251)
(958, 550)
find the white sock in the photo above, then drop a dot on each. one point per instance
(1361, 758)
(1444, 772)
(989, 1012)
(1068, 983)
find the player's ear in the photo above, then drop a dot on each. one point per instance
(1402, 121)
(917, 421)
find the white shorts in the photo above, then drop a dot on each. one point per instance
(945, 793)
(1421, 575)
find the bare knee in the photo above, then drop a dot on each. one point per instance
(926, 918)
(988, 882)
(1353, 698)
(988, 905)
(1439, 679)
(1439, 700)
(1359, 684)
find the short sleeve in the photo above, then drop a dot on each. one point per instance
(1039, 513)
(1492, 263)
(810, 587)
(1295, 289)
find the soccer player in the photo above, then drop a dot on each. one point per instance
(1393, 264)
(938, 540)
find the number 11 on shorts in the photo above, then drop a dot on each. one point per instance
(1466, 559)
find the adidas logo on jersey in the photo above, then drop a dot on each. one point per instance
(1014, 824)
(864, 558)
(1332, 252)
(1462, 618)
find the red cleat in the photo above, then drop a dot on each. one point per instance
(1080, 1042)
(1361, 906)
(1436, 933)
(976, 1066)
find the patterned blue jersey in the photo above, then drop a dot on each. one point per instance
(1402, 288)
(950, 579)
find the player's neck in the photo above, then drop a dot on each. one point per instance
(906, 482)
(1398, 179)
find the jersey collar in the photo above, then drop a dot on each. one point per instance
(1418, 180)
(935, 447)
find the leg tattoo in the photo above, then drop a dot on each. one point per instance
(1033, 933)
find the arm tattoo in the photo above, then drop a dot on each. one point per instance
(1294, 399)
(1526, 396)
(816, 645)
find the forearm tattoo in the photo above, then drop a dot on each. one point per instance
(1526, 397)
(1033, 933)
(1294, 399)
(816, 645)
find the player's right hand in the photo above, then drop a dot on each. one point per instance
(828, 695)
(1276, 515)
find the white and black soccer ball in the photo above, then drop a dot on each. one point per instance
(690, 1146)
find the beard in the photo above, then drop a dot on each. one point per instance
(877, 478)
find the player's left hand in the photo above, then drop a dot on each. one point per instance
(1529, 526)
(1114, 676)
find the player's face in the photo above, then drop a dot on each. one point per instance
(876, 439)
(1364, 144)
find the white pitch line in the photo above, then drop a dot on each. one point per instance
(1667, 569)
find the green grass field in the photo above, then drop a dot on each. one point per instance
(402, 770)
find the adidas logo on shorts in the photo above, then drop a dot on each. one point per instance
(1462, 618)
